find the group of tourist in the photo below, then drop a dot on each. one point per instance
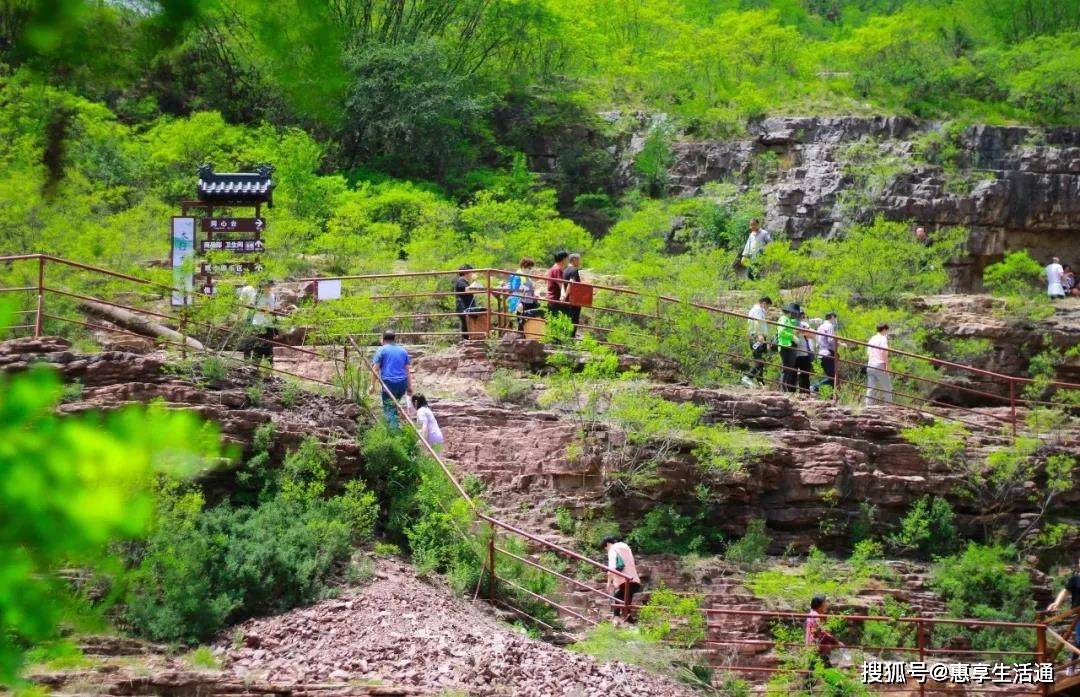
(563, 280)
(1060, 280)
(800, 343)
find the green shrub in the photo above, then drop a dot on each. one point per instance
(213, 369)
(385, 549)
(889, 634)
(654, 160)
(254, 394)
(291, 393)
(1017, 275)
(390, 464)
(673, 617)
(506, 388)
(606, 643)
(928, 530)
(751, 547)
(564, 520)
(202, 569)
(202, 657)
(980, 583)
(942, 442)
(665, 530)
(794, 587)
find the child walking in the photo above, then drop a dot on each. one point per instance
(425, 421)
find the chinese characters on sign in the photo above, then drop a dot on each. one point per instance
(899, 672)
(241, 246)
(208, 269)
(223, 225)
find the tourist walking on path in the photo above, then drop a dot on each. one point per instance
(1068, 280)
(620, 559)
(1054, 275)
(826, 350)
(755, 242)
(391, 363)
(804, 354)
(572, 275)
(878, 378)
(464, 300)
(758, 329)
(1071, 591)
(785, 340)
(426, 423)
(817, 636)
(555, 305)
(260, 304)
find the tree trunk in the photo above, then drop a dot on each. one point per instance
(140, 325)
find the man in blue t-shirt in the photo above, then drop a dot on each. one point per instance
(391, 362)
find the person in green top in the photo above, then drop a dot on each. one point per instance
(785, 339)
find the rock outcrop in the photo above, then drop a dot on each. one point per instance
(1013, 187)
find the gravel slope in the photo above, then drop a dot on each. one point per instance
(404, 631)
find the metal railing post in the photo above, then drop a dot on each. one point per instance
(487, 284)
(183, 332)
(1040, 647)
(836, 374)
(920, 633)
(491, 561)
(40, 316)
(1012, 405)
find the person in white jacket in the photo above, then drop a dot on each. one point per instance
(755, 242)
(425, 421)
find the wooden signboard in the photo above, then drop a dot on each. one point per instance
(223, 225)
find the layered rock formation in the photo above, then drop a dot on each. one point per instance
(1014, 187)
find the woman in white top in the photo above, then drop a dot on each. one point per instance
(1054, 273)
(878, 377)
(425, 421)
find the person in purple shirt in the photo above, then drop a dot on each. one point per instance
(391, 363)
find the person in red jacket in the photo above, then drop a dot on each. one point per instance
(555, 286)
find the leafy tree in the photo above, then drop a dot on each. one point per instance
(927, 529)
(407, 113)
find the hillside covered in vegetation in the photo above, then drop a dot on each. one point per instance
(419, 135)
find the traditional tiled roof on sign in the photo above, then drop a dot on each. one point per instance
(236, 187)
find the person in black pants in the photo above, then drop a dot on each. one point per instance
(463, 298)
(555, 305)
(787, 338)
(804, 355)
(759, 340)
(621, 568)
(572, 274)
(827, 347)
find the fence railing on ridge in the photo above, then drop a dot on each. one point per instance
(42, 312)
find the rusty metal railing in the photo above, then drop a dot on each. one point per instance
(1043, 631)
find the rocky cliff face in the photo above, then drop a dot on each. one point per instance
(1015, 188)
(825, 461)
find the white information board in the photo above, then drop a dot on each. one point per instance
(183, 249)
(328, 290)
